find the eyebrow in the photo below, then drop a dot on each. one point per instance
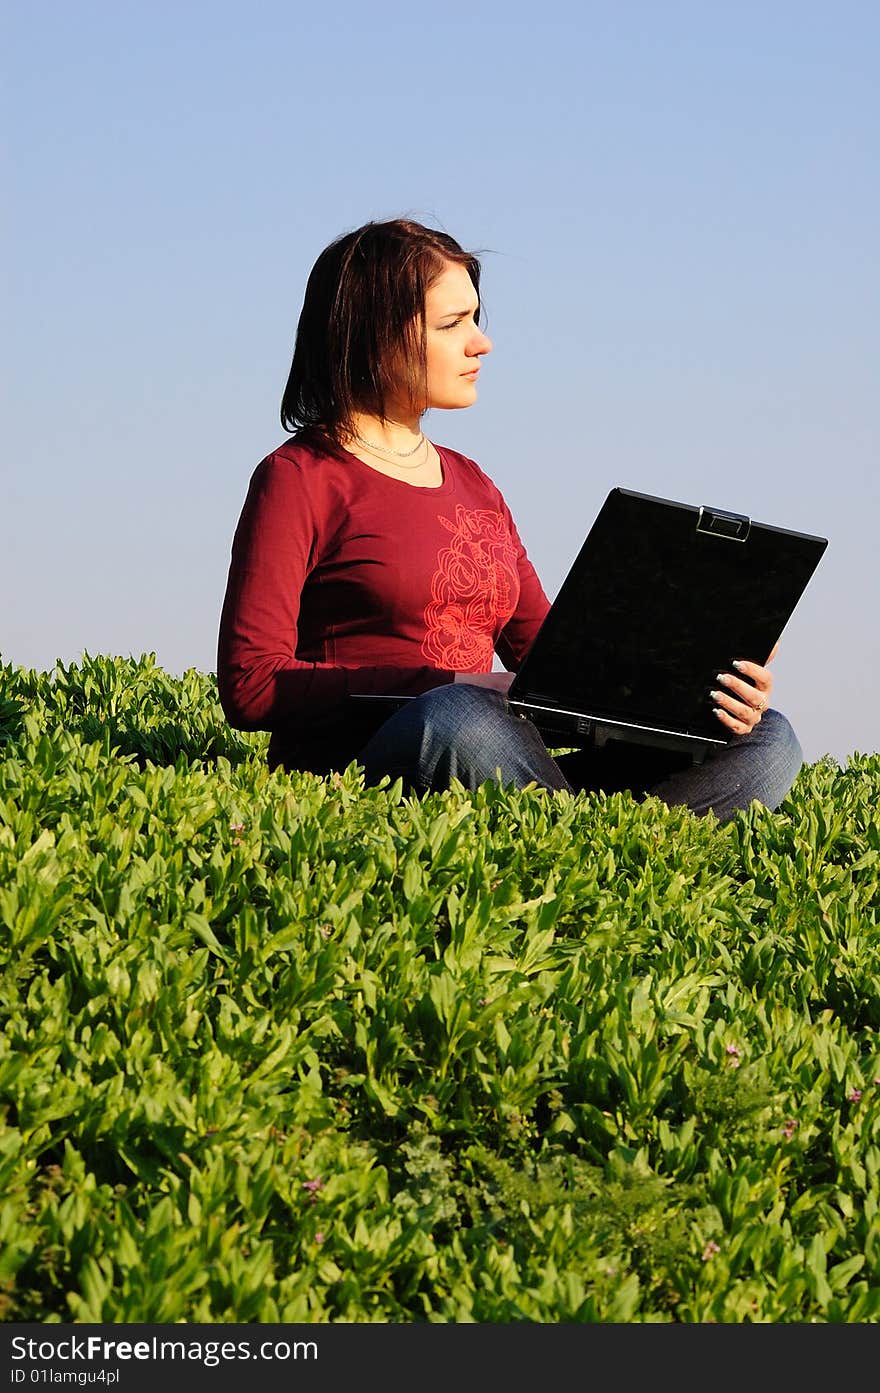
(458, 314)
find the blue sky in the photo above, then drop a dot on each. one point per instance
(677, 209)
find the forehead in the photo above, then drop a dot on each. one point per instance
(452, 290)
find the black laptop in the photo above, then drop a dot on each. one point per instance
(661, 598)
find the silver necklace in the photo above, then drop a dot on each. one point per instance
(386, 449)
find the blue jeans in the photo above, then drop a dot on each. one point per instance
(469, 733)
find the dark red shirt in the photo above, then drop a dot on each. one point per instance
(344, 580)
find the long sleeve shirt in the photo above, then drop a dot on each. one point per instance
(344, 580)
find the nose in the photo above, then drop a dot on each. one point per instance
(479, 344)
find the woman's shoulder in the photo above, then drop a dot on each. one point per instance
(301, 464)
(298, 480)
(302, 453)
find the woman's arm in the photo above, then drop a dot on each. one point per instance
(518, 634)
(261, 681)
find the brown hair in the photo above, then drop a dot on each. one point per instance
(362, 324)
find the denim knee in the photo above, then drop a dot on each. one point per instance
(760, 766)
(783, 757)
(464, 732)
(471, 717)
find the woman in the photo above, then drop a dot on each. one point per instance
(369, 561)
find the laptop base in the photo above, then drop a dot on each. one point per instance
(571, 728)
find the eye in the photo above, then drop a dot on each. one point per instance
(475, 317)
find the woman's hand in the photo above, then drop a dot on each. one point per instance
(740, 705)
(498, 681)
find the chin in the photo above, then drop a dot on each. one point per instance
(459, 395)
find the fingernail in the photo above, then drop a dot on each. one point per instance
(715, 695)
(721, 677)
(716, 711)
(736, 663)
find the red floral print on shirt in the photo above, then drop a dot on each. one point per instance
(474, 591)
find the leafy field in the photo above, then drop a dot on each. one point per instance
(277, 1048)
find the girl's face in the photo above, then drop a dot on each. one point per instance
(454, 342)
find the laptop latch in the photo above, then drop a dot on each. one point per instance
(717, 523)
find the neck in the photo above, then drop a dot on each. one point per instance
(393, 433)
(397, 442)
